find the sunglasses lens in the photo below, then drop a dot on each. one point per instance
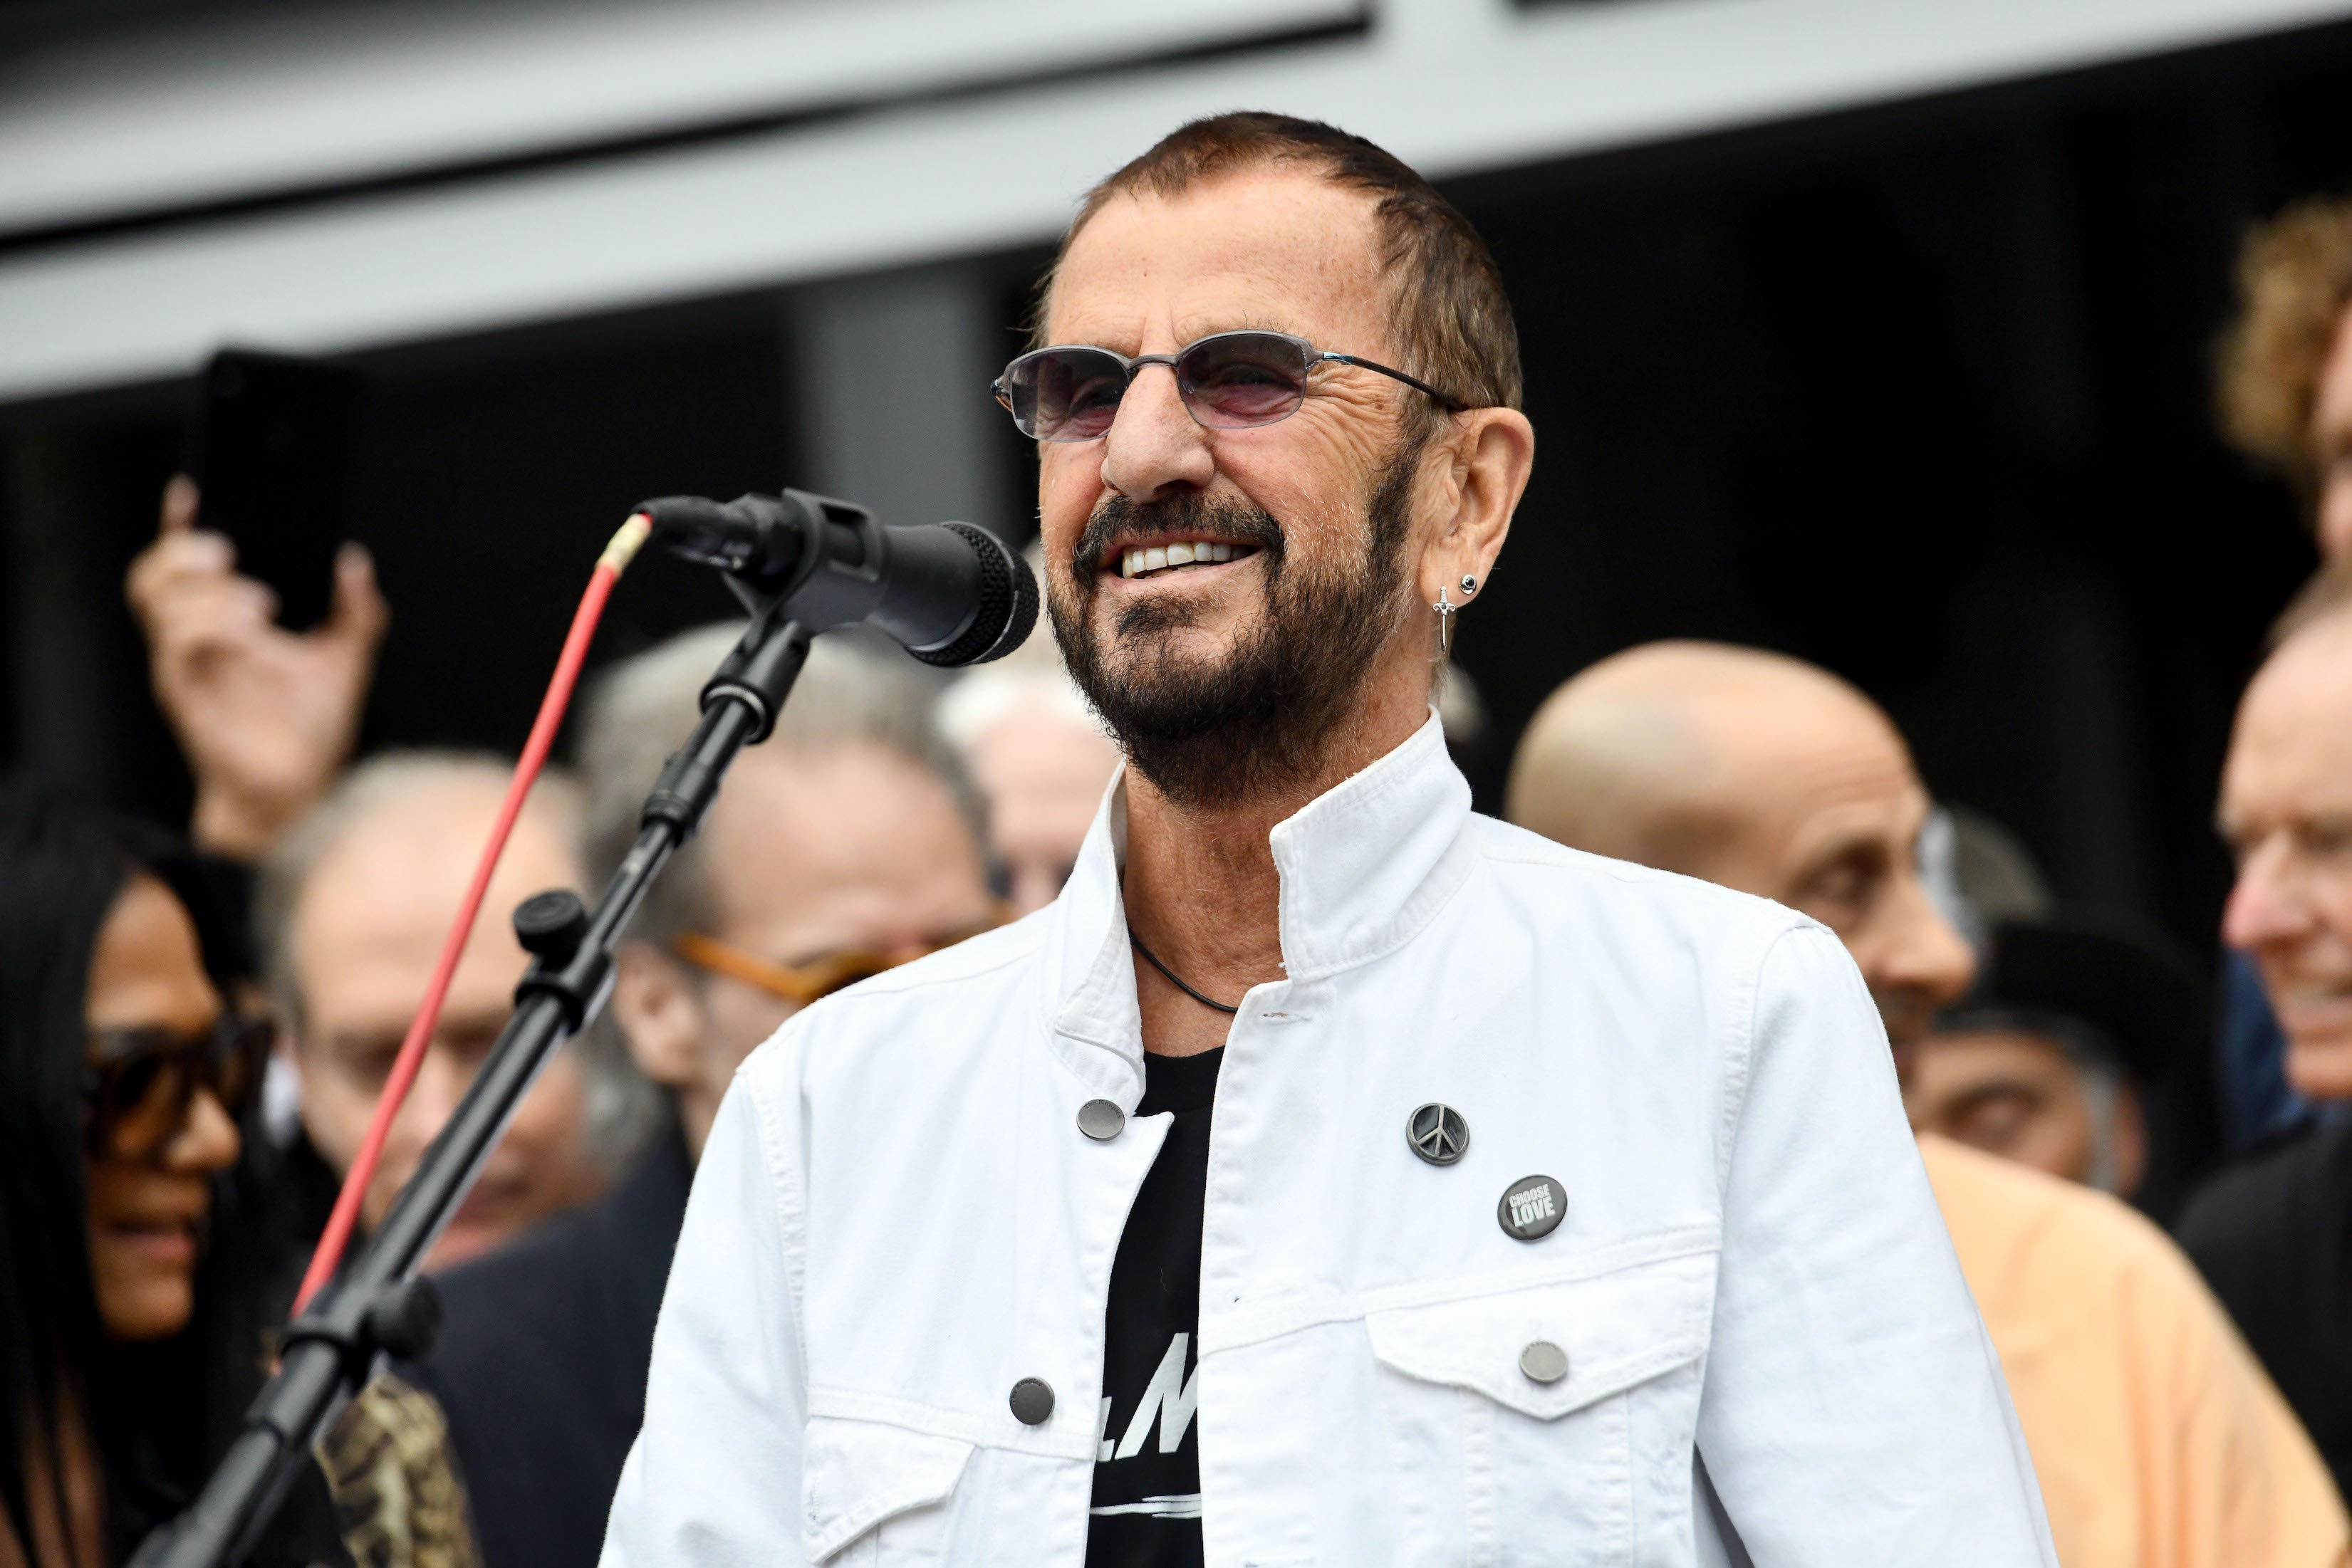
(142, 1094)
(243, 1060)
(1066, 394)
(1236, 380)
(141, 1100)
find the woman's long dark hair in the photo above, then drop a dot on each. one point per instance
(60, 876)
(153, 1414)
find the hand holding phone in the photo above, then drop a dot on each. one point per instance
(274, 445)
(265, 715)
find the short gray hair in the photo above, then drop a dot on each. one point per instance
(622, 1106)
(642, 708)
(988, 696)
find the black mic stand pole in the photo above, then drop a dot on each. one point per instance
(380, 1306)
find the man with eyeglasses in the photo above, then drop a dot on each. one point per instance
(1330, 1175)
(845, 844)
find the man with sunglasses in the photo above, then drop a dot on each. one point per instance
(1331, 1175)
(844, 845)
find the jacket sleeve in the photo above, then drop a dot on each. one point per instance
(714, 1479)
(1853, 1409)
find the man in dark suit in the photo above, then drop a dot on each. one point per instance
(2274, 1232)
(846, 844)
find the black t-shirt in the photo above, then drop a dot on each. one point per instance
(1146, 1500)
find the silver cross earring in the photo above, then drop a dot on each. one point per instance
(1445, 608)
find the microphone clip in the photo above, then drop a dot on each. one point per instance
(771, 547)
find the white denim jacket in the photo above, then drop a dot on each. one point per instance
(898, 1218)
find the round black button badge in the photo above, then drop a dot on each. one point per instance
(1532, 1208)
(1031, 1401)
(1438, 1133)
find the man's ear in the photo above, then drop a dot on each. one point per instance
(659, 1011)
(1490, 454)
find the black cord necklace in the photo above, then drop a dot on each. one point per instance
(1169, 975)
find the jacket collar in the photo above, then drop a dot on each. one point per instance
(1363, 867)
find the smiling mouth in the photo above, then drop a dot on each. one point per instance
(2319, 1000)
(167, 1241)
(1160, 561)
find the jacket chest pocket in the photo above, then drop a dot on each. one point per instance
(875, 1495)
(1558, 1415)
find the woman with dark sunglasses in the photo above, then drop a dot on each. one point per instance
(122, 1079)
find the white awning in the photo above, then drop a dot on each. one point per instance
(885, 144)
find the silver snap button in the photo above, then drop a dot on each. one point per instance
(1438, 1133)
(1033, 1401)
(1532, 1207)
(1101, 1119)
(1544, 1361)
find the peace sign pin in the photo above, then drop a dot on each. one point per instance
(1437, 1134)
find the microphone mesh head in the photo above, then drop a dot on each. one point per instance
(1008, 603)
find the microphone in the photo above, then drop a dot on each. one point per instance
(948, 592)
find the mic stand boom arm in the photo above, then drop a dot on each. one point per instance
(380, 1306)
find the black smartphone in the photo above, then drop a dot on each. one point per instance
(273, 446)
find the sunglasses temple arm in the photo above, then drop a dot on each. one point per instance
(379, 1306)
(1447, 399)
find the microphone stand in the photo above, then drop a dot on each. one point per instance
(380, 1306)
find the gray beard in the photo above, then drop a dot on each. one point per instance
(1211, 733)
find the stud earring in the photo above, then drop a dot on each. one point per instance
(1469, 585)
(1445, 608)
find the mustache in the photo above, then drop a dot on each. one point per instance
(1119, 520)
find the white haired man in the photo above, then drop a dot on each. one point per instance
(2274, 1234)
(847, 842)
(353, 904)
(1041, 759)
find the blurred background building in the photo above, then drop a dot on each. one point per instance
(1875, 331)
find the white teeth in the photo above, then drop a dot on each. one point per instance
(1193, 552)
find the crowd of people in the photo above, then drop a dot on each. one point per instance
(2140, 1152)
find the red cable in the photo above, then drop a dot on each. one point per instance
(341, 1223)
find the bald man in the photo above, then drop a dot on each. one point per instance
(2158, 1442)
